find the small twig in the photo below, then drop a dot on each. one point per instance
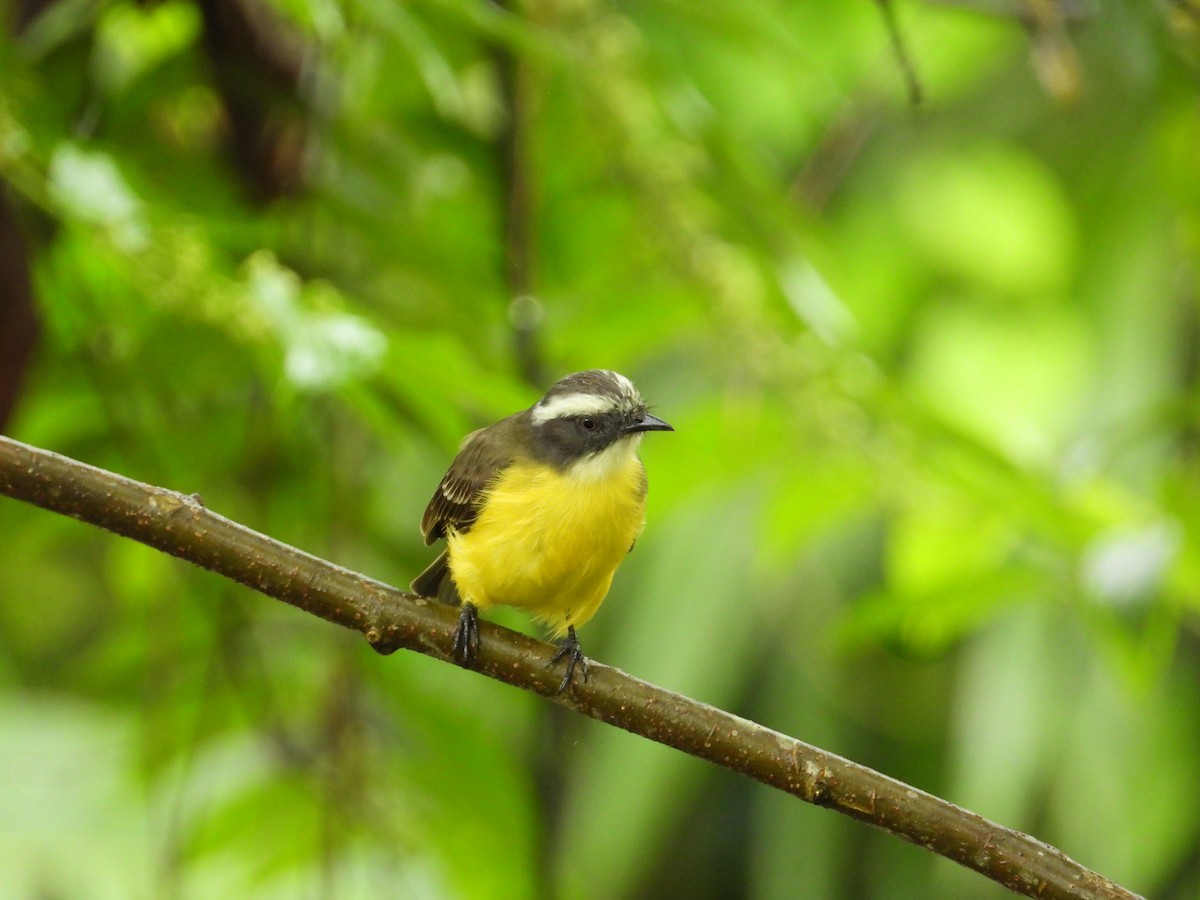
(391, 619)
(916, 94)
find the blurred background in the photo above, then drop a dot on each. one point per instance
(916, 282)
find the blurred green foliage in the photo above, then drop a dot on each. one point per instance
(933, 502)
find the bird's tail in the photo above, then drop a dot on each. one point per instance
(437, 582)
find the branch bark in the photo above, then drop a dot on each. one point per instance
(391, 619)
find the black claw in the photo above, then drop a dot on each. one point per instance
(466, 636)
(570, 649)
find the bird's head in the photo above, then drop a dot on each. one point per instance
(591, 421)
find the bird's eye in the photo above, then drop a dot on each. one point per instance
(587, 423)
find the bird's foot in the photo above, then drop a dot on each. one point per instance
(570, 649)
(466, 635)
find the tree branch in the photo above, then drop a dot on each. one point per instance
(391, 619)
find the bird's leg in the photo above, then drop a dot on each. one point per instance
(466, 635)
(570, 649)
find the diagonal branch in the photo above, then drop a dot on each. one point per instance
(391, 619)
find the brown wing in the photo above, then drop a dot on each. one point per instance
(457, 499)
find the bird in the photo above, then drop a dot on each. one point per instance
(539, 509)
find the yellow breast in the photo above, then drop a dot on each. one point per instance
(549, 541)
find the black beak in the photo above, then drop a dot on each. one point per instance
(647, 422)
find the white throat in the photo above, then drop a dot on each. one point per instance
(609, 462)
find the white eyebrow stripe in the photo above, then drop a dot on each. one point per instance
(571, 405)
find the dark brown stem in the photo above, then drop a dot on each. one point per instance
(19, 324)
(518, 201)
(258, 69)
(391, 619)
